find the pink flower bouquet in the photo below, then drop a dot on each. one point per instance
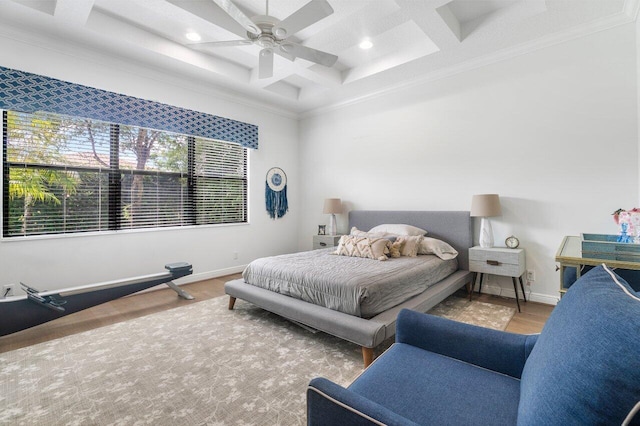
(629, 221)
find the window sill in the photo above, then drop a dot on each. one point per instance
(118, 232)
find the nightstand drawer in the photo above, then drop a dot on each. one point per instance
(497, 261)
(325, 241)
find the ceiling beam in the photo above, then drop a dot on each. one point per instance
(323, 76)
(437, 27)
(210, 12)
(135, 38)
(73, 12)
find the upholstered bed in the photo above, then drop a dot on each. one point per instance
(454, 227)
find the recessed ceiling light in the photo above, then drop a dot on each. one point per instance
(193, 36)
(366, 44)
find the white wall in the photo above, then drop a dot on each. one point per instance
(60, 262)
(638, 92)
(554, 132)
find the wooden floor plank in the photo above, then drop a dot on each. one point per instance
(530, 320)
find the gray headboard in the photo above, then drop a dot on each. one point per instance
(454, 227)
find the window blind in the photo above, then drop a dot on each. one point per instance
(66, 174)
(220, 186)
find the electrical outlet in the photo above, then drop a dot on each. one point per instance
(531, 276)
(235, 255)
(8, 290)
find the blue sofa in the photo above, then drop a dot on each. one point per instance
(583, 369)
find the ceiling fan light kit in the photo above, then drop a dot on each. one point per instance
(271, 34)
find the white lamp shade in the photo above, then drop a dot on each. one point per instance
(332, 205)
(485, 205)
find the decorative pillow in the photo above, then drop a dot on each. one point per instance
(583, 368)
(358, 233)
(395, 249)
(441, 249)
(351, 245)
(409, 245)
(398, 229)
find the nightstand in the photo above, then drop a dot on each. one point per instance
(498, 261)
(324, 241)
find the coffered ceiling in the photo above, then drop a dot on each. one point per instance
(411, 40)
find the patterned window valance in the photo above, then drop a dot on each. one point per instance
(26, 92)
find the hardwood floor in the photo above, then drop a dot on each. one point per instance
(530, 320)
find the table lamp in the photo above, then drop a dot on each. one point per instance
(332, 206)
(485, 206)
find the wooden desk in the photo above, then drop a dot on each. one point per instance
(569, 255)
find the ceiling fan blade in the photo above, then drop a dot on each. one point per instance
(229, 43)
(265, 63)
(284, 54)
(313, 55)
(307, 15)
(233, 11)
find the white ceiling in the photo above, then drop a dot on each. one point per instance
(413, 40)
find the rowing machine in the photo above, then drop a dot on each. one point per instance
(21, 312)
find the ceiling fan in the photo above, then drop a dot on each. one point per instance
(271, 34)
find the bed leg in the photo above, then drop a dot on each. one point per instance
(232, 302)
(367, 356)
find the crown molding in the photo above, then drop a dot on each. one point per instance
(631, 9)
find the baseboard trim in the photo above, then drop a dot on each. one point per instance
(208, 275)
(508, 292)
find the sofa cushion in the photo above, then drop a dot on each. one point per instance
(585, 366)
(440, 391)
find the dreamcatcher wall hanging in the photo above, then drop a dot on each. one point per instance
(275, 193)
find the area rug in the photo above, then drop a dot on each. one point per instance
(194, 365)
(473, 312)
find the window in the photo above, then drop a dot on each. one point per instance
(67, 175)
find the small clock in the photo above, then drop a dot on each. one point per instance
(512, 242)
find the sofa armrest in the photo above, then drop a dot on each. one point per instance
(329, 404)
(495, 350)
